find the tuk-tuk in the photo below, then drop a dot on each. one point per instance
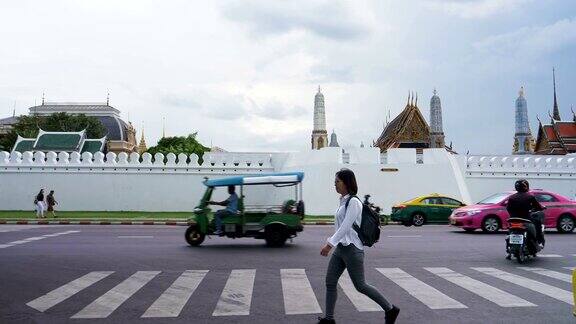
(273, 223)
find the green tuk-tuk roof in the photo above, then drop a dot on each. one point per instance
(257, 179)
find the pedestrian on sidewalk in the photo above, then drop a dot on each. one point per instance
(39, 202)
(51, 203)
(349, 250)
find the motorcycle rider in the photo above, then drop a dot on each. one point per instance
(522, 205)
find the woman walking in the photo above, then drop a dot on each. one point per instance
(39, 202)
(51, 202)
(349, 252)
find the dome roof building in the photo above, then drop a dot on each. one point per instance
(121, 136)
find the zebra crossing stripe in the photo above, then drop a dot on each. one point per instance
(299, 298)
(428, 295)
(107, 303)
(360, 301)
(481, 289)
(570, 268)
(548, 290)
(549, 273)
(62, 293)
(549, 255)
(172, 301)
(237, 294)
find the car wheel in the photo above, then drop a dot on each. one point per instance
(565, 224)
(193, 236)
(490, 224)
(275, 235)
(418, 219)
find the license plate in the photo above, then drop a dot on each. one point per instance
(452, 222)
(516, 239)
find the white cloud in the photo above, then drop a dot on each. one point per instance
(531, 42)
(476, 8)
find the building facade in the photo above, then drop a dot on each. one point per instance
(523, 141)
(120, 136)
(319, 133)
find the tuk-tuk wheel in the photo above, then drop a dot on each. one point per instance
(193, 236)
(275, 235)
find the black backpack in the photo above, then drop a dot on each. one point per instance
(369, 229)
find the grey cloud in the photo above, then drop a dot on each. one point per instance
(272, 18)
(217, 107)
(326, 73)
(278, 111)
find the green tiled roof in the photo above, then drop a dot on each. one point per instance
(58, 142)
(24, 145)
(92, 146)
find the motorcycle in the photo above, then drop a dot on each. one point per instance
(520, 242)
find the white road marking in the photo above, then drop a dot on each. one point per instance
(135, 236)
(173, 300)
(570, 268)
(66, 291)
(549, 256)
(34, 238)
(549, 273)
(360, 301)
(237, 294)
(18, 242)
(550, 291)
(428, 295)
(107, 303)
(299, 298)
(481, 289)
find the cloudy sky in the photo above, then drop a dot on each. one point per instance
(244, 73)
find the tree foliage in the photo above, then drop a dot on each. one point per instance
(28, 126)
(179, 144)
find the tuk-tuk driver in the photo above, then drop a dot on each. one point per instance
(231, 208)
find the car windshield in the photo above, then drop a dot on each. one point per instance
(494, 199)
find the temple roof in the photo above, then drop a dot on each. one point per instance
(9, 121)
(93, 145)
(59, 142)
(393, 130)
(559, 137)
(88, 108)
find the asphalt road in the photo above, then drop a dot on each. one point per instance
(125, 274)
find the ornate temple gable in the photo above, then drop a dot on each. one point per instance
(409, 127)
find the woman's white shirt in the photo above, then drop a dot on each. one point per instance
(343, 221)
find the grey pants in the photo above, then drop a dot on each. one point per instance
(351, 258)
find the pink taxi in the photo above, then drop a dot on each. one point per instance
(490, 214)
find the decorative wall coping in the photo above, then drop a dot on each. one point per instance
(541, 163)
(134, 160)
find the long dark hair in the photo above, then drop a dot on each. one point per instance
(349, 179)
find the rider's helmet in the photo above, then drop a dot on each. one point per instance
(522, 185)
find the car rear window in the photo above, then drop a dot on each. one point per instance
(544, 198)
(449, 201)
(494, 199)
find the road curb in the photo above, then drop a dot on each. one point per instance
(90, 222)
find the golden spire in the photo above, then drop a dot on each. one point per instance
(142, 146)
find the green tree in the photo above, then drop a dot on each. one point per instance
(28, 126)
(179, 144)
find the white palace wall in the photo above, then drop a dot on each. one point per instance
(175, 183)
